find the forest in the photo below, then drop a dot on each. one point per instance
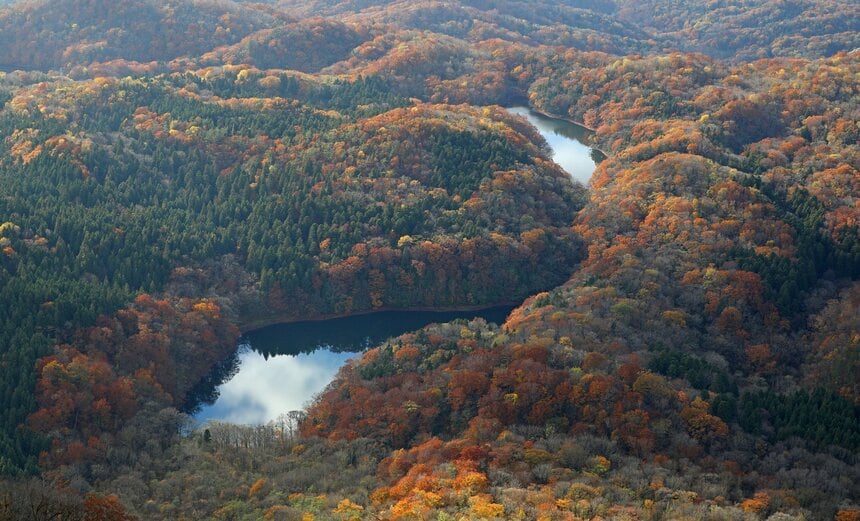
(686, 344)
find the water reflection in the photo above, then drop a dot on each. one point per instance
(568, 143)
(266, 387)
(281, 368)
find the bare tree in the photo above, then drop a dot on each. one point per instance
(37, 500)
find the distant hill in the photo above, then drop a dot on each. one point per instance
(585, 25)
(42, 34)
(306, 46)
(309, 36)
(740, 28)
(751, 28)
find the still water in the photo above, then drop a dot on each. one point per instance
(568, 141)
(281, 368)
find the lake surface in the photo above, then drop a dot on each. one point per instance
(281, 368)
(569, 143)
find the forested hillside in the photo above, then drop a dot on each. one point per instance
(750, 29)
(311, 210)
(40, 34)
(687, 341)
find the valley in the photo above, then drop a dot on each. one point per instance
(683, 344)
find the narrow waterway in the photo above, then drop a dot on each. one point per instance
(568, 141)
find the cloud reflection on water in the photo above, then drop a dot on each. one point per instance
(263, 389)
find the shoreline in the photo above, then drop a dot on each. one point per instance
(250, 326)
(573, 121)
(563, 118)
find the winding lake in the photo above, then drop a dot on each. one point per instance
(280, 368)
(568, 141)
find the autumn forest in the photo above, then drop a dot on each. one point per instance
(686, 341)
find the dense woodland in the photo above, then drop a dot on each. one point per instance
(687, 344)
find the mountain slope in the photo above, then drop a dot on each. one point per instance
(749, 29)
(43, 34)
